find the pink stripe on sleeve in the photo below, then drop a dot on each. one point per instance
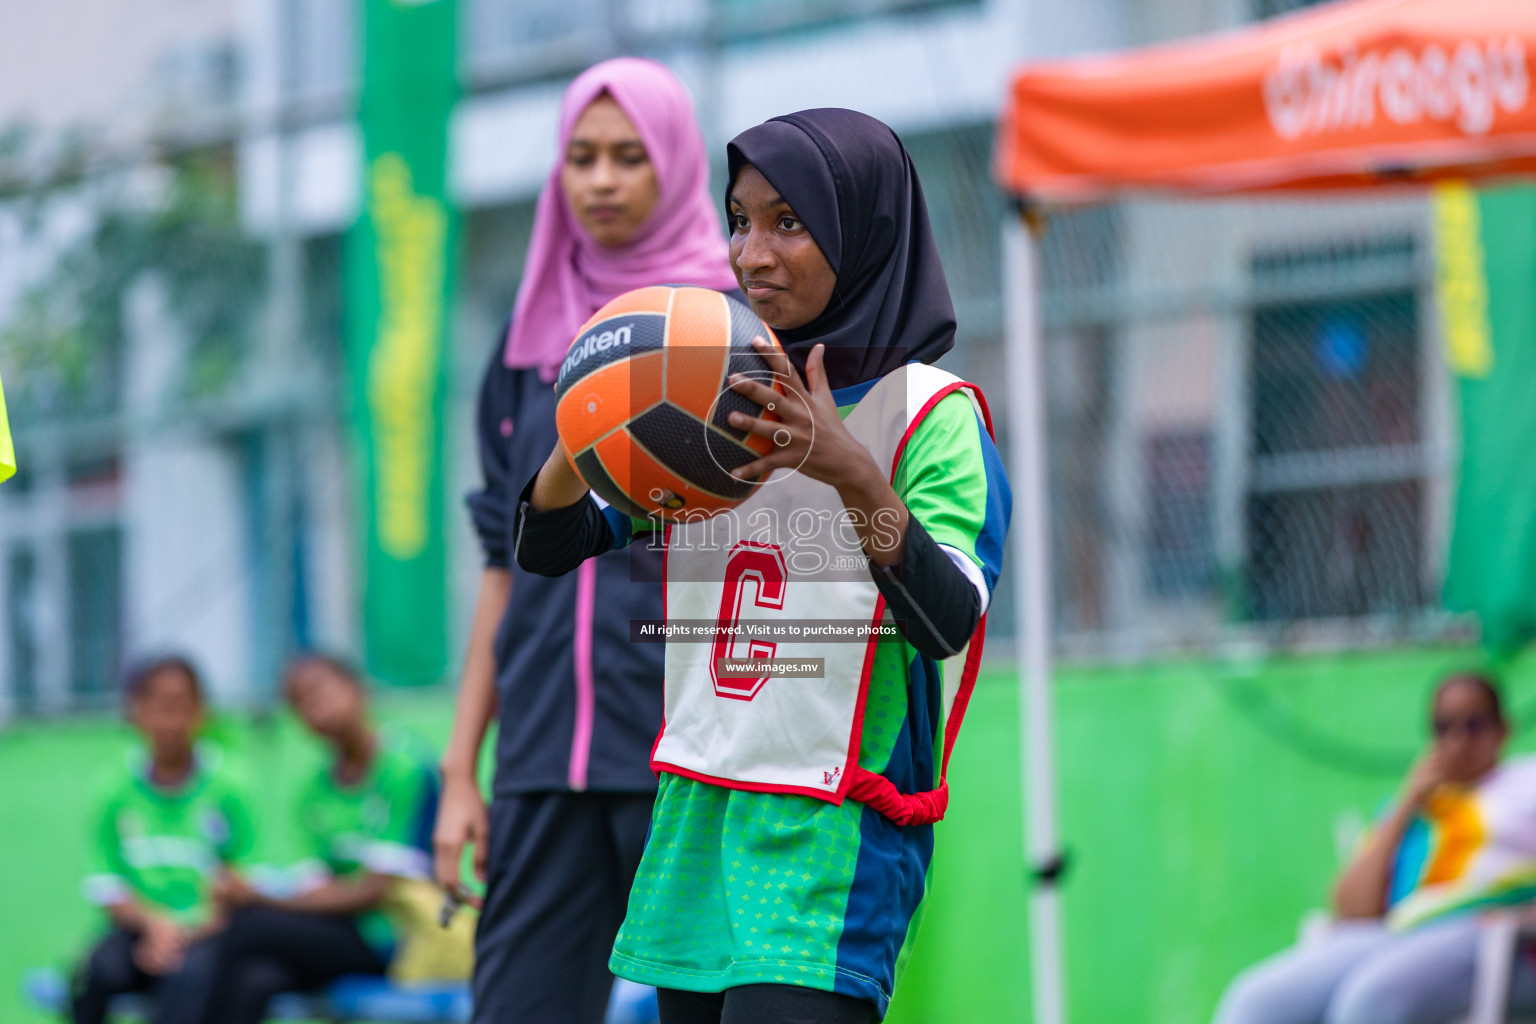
(581, 736)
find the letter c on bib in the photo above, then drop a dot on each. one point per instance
(761, 565)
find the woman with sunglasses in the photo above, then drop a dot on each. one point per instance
(1460, 836)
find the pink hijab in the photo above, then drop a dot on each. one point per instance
(568, 276)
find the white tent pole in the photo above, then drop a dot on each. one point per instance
(1031, 569)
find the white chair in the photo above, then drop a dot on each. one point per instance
(1501, 933)
(1500, 936)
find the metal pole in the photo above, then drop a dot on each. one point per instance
(1031, 569)
(279, 365)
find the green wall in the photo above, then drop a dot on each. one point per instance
(48, 773)
(1199, 802)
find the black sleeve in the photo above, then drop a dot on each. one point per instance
(555, 542)
(490, 506)
(936, 607)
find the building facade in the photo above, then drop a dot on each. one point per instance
(1248, 423)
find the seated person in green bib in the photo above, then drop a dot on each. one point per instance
(366, 817)
(170, 822)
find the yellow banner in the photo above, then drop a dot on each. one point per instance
(1461, 280)
(411, 233)
(7, 450)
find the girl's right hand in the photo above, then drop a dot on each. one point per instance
(1427, 776)
(231, 892)
(161, 947)
(461, 821)
(557, 485)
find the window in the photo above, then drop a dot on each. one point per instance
(1181, 559)
(1078, 367)
(764, 17)
(1080, 256)
(522, 39)
(317, 52)
(23, 630)
(198, 77)
(965, 209)
(527, 38)
(95, 558)
(1270, 8)
(62, 569)
(1335, 514)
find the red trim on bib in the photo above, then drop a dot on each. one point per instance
(852, 781)
(753, 787)
(666, 545)
(855, 741)
(859, 783)
(879, 792)
(963, 695)
(876, 790)
(944, 392)
(924, 808)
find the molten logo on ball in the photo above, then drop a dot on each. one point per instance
(592, 344)
(643, 406)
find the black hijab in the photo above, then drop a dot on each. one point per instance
(850, 180)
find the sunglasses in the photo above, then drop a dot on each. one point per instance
(1473, 725)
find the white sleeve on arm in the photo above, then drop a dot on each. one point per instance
(972, 572)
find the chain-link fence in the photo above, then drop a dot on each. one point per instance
(1248, 423)
(1249, 427)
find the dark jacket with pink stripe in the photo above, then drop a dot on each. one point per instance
(579, 704)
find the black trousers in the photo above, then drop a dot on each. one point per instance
(230, 977)
(763, 1004)
(109, 970)
(560, 866)
(265, 951)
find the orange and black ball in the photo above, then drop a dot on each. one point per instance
(642, 402)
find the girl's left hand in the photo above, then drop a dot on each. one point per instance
(161, 946)
(231, 891)
(808, 434)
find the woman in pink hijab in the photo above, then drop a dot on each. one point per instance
(627, 205)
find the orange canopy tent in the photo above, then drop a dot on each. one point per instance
(1357, 93)
(1346, 94)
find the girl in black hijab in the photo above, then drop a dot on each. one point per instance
(854, 187)
(792, 835)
